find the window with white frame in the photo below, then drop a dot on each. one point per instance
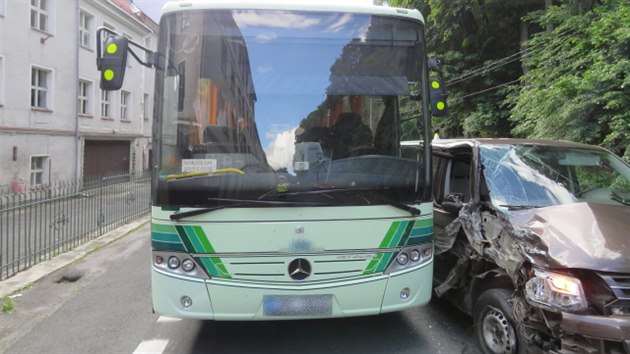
(185, 20)
(105, 103)
(85, 29)
(85, 97)
(109, 26)
(41, 83)
(125, 103)
(39, 170)
(39, 15)
(146, 106)
(1, 78)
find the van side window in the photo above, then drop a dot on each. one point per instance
(439, 165)
(459, 180)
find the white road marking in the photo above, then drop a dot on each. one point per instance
(166, 319)
(152, 346)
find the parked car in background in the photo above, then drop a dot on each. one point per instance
(533, 240)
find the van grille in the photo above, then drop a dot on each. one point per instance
(620, 286)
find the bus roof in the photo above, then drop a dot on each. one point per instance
(352, 6)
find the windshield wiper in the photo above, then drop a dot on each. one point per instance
(411, 210)
(236, 203)
(357, 191)
(520, 206)
(619, 198)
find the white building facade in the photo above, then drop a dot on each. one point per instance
(55, 122)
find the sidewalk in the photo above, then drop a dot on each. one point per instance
(33, 274)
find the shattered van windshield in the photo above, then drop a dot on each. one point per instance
(530, 176)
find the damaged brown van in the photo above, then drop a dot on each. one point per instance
(533, 240)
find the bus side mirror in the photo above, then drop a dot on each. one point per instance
(112, 62)
(437, 96)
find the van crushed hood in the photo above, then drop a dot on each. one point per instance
(582, 235)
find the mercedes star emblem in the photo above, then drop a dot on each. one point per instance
(299, 269)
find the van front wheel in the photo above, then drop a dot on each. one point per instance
(494, 323)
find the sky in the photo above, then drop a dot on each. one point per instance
(151, 8)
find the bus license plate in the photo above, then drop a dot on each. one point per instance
(297, 305)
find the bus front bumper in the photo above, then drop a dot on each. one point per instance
(242, 301)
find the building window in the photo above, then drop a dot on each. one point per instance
(1, 77)
(39, 169)
(146, 106)
(109, 26)
(85, 29)
(85, 93)
(185, 20)
(39, 15)
(40, 87)
(2, 2)
(125, 101)
(105, 103)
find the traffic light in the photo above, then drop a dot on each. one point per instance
(112, 62)
(437, 96)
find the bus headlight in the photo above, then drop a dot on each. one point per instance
(414, 255)
(188, 265)
(179, 263)
(555, 291)
(402, 258)
(411, 256)
(173, 262)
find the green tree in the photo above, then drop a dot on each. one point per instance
(578, 85)
(570, 81)
(473, 38)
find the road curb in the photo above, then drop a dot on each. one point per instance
(38, 271)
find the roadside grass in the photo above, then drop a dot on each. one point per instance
(8, 305)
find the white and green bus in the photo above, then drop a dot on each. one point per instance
(290, 178)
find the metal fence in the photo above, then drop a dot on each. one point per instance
(40, 224)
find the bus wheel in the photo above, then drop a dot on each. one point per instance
(494, 323)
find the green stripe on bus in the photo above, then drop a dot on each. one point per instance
(384, 262)
(389, 235)
(371, 268)
(405, 236)
(163, 228)
(423, 223)
(210, 268)
(185, 239)
(218, 263)
(165, 237)
(214, 266)
(421, 231)
(167, 246)
(204, 239)
(420, 239)
(402, 226)
(194, 239)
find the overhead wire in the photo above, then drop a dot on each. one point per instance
(486, 90)
(497, 64)
(502, 62)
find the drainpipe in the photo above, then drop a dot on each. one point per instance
(77, 141)
(144, 104)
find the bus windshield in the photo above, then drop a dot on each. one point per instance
(292, 106)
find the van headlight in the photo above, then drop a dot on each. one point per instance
(555, 291)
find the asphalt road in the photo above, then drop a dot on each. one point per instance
(102, 304)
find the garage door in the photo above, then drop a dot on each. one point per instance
(105, 158)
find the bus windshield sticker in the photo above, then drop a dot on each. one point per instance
(199, 165)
